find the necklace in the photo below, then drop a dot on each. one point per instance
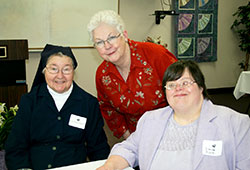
(124, 69)
(124, 73)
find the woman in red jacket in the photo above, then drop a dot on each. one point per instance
(128, 81)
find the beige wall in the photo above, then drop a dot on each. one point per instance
(219, 74)
(136, 13)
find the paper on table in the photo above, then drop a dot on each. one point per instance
(86, 166)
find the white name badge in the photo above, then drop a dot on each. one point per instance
(77, 121)
(212, 148)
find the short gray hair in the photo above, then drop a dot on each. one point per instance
(106, 16)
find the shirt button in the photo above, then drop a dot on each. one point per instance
(53, 148)
(49, 166)
(58, 136)
(59, 118)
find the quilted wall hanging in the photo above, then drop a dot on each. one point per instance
(196, 30)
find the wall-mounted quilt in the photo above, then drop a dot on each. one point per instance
(196, 30)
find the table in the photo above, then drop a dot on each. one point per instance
(86, 166)
(243, 86)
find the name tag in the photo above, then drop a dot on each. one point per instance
(212, 148)
(77, 121)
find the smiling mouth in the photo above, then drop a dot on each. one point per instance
(179, 95)
(60, 82)
(110, 54)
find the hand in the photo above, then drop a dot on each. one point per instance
(126, 134)
(107, 166)
(114, 162)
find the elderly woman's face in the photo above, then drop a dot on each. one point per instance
(186, 93)
(59, 73)
(110, 44)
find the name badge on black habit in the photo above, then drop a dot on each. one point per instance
(77, 121)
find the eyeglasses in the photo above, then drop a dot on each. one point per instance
(54, 70)
(111, 40)
(182, 84)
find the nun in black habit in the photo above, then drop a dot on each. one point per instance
(58, 123)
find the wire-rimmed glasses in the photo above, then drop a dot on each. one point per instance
(111, 40)
(54, 69)
(182, 84)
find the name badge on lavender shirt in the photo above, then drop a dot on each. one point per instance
(212, 147)
(77, 121)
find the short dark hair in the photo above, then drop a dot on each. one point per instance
(176, 70)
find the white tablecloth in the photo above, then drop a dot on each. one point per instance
(86, 166)
(243, 85)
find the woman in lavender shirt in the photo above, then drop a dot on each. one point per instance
(191, 133)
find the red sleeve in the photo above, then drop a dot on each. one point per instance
(115, 121)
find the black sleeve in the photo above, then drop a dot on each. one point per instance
(17, 145)
(97, 145)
